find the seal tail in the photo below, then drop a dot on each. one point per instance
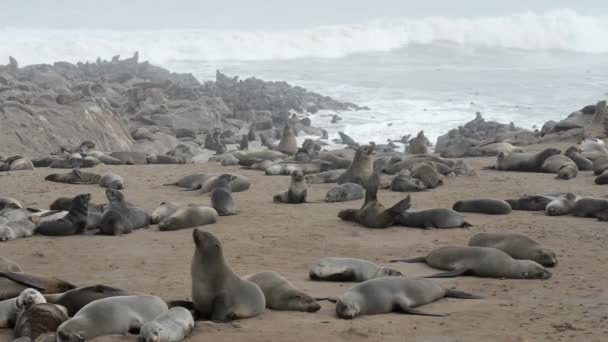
(413, 260)
(461, 294)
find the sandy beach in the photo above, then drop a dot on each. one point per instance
(571, 306)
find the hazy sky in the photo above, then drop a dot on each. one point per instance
(255, 14)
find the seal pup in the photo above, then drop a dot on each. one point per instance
(394, 294)
(482, 262)
(281, 294)
(13, 283)
(561, 205)
(188, 217)
(345, 192)
(403, 183)
(373, 214)
(561, 165)
(163, 211)
(288, 143)
(362, 167)
(440, 218)
(217, 293)
(115, 218)
(330, 176)
(74, 177)
(17, 229)
(581, 162)
(221, 196)
(524, 162)
(518, 246)
(297, 190)
(112, 181)
(171, 326)
(349, 270)
(28, 298)
(73, 223)
(111, 316)
(486, 206)
(8, 265)
(75, 299)
(427, 172)
(39, 319)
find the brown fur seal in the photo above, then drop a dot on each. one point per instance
(602, 179)
(13, 283)
(403, 183)
(486, 206)
(188, 217)
(221, 196)
(590, 207)
(131, 158)
(8, 265)
(281, 294)
(530, 202)
(349, 270)
(482, 262)
(163, 159)
(74, 177)
(561, 165)
(288, 143)
(112, 181)
(115, 219)
(75, 299)
(73, 223)
(361, 168)
(427, 173)
(345, 192)
(524, 162)
(393, 294)
(418, 144)
(163, 211)
(111, 316)
(582, 163)
(7, 202)
(562, 205)
(39, 319)
(518, 246)
(440, 218)
(217, 293)
(373, 214)
(297, 190)
(330, 176)
(171, 326)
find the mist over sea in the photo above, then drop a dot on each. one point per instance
(430, 73)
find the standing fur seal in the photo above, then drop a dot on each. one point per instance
(13, 283)
(217, 293)
(330, 176)
(171, 326)
(163, 211)
(75, 299)
(525, 162)
(518, 246)
(561, 165)
(221, 196)
(111, 316)
(361, 168)
(8, 265)
(297, 190)
(188, 217)
(39, 319)
(441, 218)
(115, 219)
(418, 144)
(73, 223)
(112, 181)
(373, 214)
(288, 143)
(487, 206)
(345, 192)
(349, 270)
(281, 294)
(427, 172)
(482, 262)
(393, 294)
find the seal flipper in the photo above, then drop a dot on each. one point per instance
(461, 294)
(413, 260)
(402, 306)
(371, 191)
(453, 273)
(465, 225)
(401, 206)
(329, 299)
(23, 279)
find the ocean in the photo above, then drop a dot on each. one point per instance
(429, 74)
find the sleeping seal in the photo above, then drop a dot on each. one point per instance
(349, 270)
(163, 211)
(171, 326)
(188, 217)
(561, 165)
(281, 294)
(482, 262)
(486, 206)
(441, 218)
(524, 162)
(345, 192)
(518, 246)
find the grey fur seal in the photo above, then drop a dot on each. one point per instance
(530, 202)
(171, 326)
(494, 149)
(39, 319)
(75, 299)
(394, 294)
(288, 143)
(8, 265)
(349, 270)
(440, 218)
(115, 219)
(163, 159)
(163, 211)
(73, 223)
(112, 181)
(296, 193)
(362, 167)
(262, 155)
(487, 206)
(345, 192)
(131, 158)
(8, 202)
(373, 214)
(71, 162)
(13, 283)
(417, 144)
(281, 294)
(206, 182)
(221, 196)
(482, 262)
(600, 164)
(111, 316)
(561, 165)
(602, 178)
(28, 298)
(330, 176)
(524, 162)
(17, 229)
(561, 205)
(590, 207)
(518, 246)
(74, 177)
(574, 153)
(188, 217)
(427, 173)
(403, 183)
(217, 293)
(9, 308)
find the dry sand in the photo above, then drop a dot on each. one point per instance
(571, 306)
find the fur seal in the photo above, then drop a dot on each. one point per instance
(330, 176)
(73, 223)
(163, 159)
(111, 316)
(524, 162)
(418, 144)
(494, 149)
(581, 162)
(561, 205)
(39, 319)
(75, 299)
(530, 202)
(263, 155)
(13, 283)
(17, 229)
(345, 192)
(8, 265)
(188, 217)
(221, 196)
(10, 308)
(72, 162)
(206, 183)
(288, 143)
(394, 294)
(561, 165)
(131, 158)
(28, 298)
(8, 202)
(297, 190)
(281, 294)
(482, 262)
(427, 173)
(440, 218)
(589, 207)
(163, 211)
(602, 178)
(373, 214)
(112, 181)
(487, 206)
(600, 164)
(518, 246)
(217, 293)
(403, 183)
(74, 177)
(115, 219)
(362, 167)
(349, 270)
(62, 204)
(171, 326)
